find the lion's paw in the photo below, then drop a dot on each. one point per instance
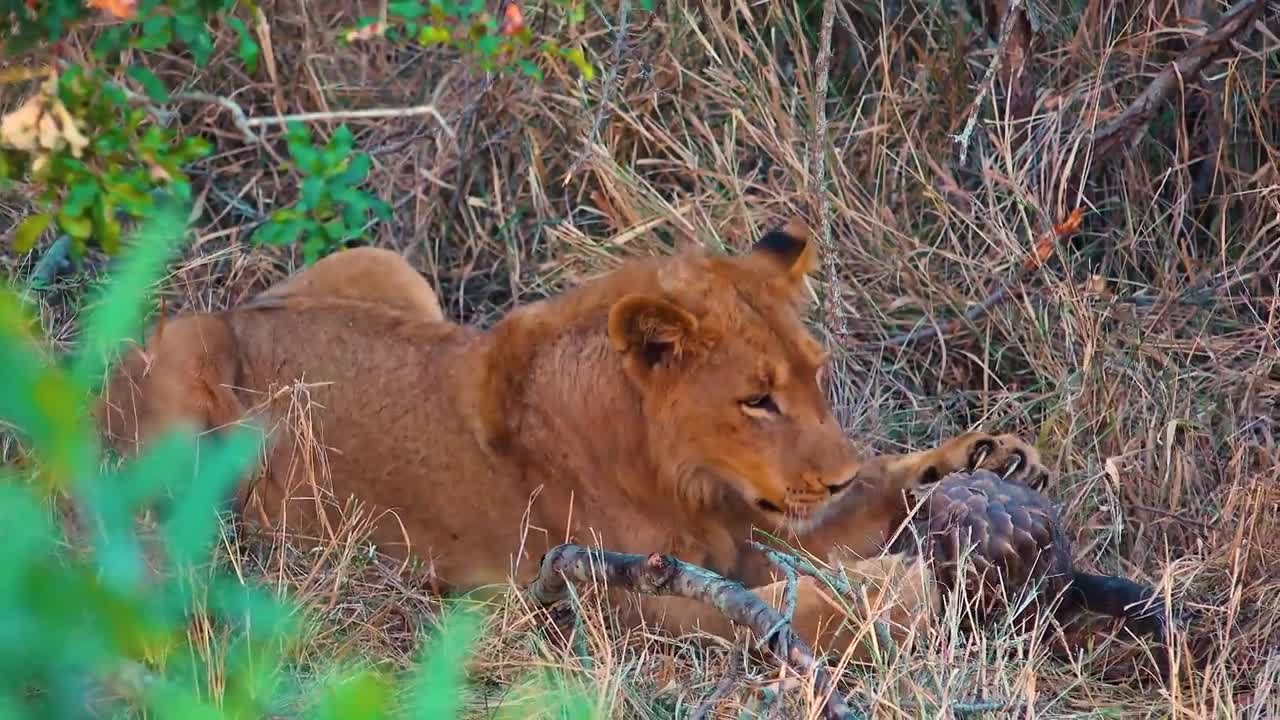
(1008, 456)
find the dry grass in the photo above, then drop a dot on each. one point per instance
(1144, 356)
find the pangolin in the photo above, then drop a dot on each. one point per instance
(1017, 556)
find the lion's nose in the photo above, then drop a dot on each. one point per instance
(840, 487)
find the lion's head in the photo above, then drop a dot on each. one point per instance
(731, 381)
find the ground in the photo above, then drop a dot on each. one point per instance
(1139, 352)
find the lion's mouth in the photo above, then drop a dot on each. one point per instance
(769, 507)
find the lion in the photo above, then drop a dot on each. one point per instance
(670, 405)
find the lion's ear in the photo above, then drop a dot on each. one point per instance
(791, 247)
(650, 329)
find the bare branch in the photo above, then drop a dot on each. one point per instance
(661, 575)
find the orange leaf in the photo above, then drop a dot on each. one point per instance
(512, 20)
(1070, 224)
(1043, 247)
(121, 9)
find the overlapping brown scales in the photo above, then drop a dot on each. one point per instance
(1006, 537)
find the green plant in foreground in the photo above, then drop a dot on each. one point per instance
(332, 209)
(97, 629)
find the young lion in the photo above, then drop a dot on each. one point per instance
(669, 406)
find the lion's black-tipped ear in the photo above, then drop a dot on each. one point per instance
(791, 247)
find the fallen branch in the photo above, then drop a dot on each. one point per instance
(665, 575)
(792, 563)
(1176, 74)
(1104, 142)
(368, 114)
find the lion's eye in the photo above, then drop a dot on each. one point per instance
(762, 403)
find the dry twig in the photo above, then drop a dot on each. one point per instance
(665, 575)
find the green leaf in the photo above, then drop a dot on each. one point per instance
(488, 45)
(438, 683)
(356, 171)
(151, 84)
(312, 249)
(80, 196)
(191, 29)
(342, 142)
(406, 9)
(530, 69)
(105, 226)
(366, 696)
(248, 49)
(112, 501)
(24, 238)
(79, 228)
(40, 400)
(433, 35)
(191, 528)
(157, 32)
(118, 311)
(579, 59)
(312, 192)
(280, 231)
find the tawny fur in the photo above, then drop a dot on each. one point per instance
(626, 411)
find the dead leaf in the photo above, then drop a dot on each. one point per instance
(1043, 247)
(41, 125)
(368, 32)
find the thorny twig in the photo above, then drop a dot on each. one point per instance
(797, 564)
(818, 170)
(661, 575)
(610, 81)
(988, 79)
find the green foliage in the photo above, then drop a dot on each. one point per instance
(332, 209)
(115, 175)
(97, 629)
(112, 159)
(495, 44)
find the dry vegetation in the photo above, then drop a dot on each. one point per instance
(1141, 354)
